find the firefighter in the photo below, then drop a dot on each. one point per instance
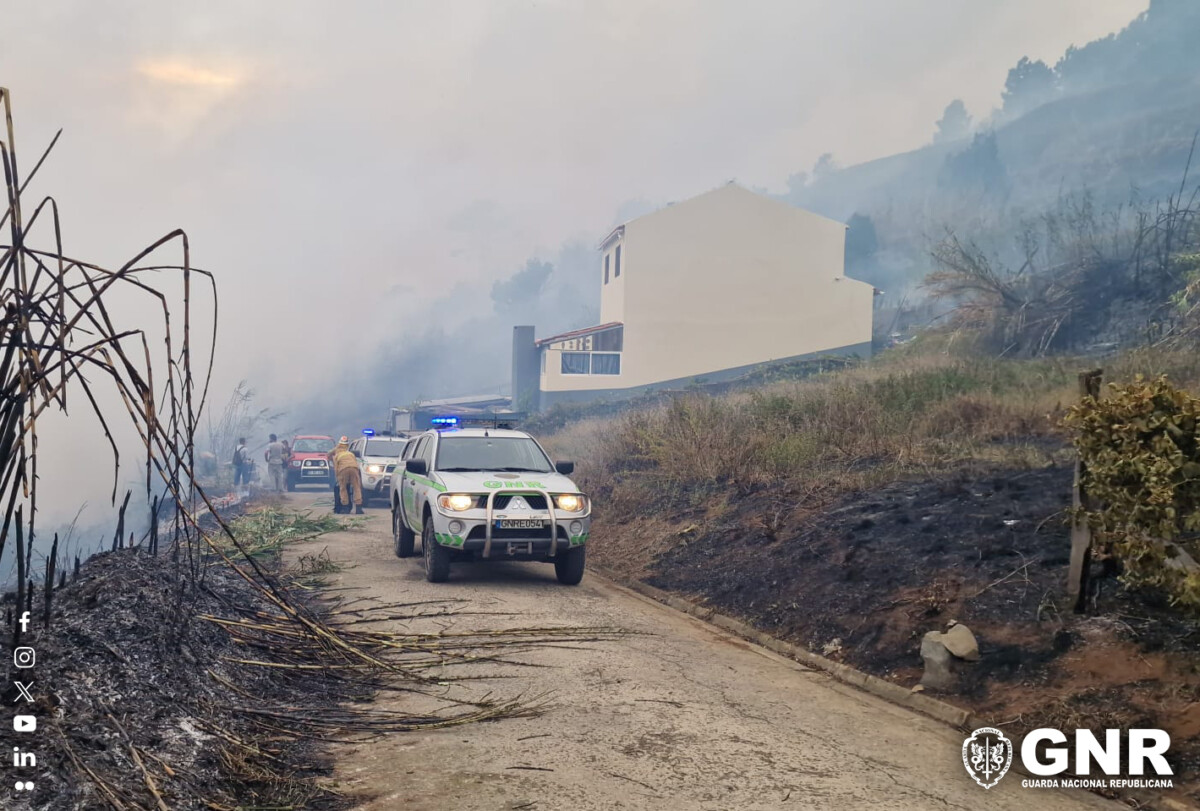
(345, 467)
(333, 480)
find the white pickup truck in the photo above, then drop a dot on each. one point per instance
(377, 457)
(488, 494)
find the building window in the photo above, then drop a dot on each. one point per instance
(606, 363)
(617, 264)
(610, 340)
(591, 363)
(576, 363)
(606, 256)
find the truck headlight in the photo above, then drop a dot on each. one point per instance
(456, 502)
(295, 463)
(570, 502)
(374, 468)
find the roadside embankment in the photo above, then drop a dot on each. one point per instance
(852, 513)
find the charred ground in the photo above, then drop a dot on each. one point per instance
(863, 578)
(141, 700)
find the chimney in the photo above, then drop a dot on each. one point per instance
(526, 371)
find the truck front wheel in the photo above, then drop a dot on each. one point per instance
(402, 535)
(437, 557)
(568, 565)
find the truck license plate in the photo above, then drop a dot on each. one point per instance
(519, 523)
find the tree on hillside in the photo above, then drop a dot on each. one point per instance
(978, 169)
(515, 294)
(1159, 43)
(824, 167)
(955, 123)
(861, 240)
(1030, 84)
(557, 295)
(796, 184)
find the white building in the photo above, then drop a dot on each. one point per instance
(707, 288)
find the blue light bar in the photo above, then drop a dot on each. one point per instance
(444, 422)
(368, 432)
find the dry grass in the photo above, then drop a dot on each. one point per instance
(903, 411)
(917, 411)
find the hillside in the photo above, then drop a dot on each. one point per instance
(1109, 128)
(1111, 141)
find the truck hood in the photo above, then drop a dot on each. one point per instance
(485, 481)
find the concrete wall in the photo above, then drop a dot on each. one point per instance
(612, 295)
(613, 393)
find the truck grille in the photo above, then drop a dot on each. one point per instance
(543, 534)
(535, 502)
(315, 463)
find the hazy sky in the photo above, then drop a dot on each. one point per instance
(340, 164)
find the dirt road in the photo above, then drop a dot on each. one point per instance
(679, 716)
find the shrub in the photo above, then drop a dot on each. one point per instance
(1141, 449)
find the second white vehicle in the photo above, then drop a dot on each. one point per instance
(377, 460)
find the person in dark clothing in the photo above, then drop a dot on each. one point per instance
(241, 464)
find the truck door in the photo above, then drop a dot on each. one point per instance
(408, 488)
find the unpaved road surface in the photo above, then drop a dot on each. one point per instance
(679, 716)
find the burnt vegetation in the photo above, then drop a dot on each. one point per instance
(1079, 276)
(184, 669)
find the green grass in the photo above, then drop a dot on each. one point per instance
(264, 533)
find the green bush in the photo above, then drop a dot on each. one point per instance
(1141, 449)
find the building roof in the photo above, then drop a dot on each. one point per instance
(620, 229)
(454, 401)
(578, 333)
(616, 233)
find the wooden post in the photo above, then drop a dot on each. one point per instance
(119, 537)
(48, 591)
(1081, 533)
(154, 527)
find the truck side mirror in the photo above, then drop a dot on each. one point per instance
(416, 467)
(565, 468)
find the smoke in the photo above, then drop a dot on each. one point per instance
(460, 345)
(361, 178)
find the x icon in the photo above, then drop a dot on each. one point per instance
(25, 692)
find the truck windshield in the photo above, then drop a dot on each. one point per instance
(517, 454)
(312, 445)
(384, 447)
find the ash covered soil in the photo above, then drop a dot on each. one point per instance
(861, 580)
(138, 709)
